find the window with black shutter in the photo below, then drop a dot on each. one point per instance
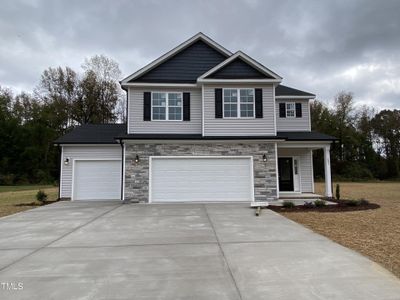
(186, 106)
(282, 110)
(299, 112)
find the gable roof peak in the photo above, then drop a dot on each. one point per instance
(197, 37)
(247, 59)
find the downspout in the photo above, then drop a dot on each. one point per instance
(59, 172)
(122, 169)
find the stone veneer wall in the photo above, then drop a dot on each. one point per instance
(137, 175)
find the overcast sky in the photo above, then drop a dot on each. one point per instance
(319, 46)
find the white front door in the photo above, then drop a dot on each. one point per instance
(208, 179)
(96, 180)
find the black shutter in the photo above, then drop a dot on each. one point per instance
(282, 110)
(186, 106)
(259, 103)
(299, 112)
(218, 103)
(146, 106)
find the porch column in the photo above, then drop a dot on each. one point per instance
(327, 164)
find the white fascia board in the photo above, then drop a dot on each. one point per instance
(247, 59)
(161, 59)
(195, 141)
(148, 84)
(302, 144)
(239, 80)
(294, 97)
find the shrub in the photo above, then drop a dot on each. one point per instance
(308, 204)
(363, 201)
(353, 203)
(288, 204)
(338, 191)
(319, 203)
(41, 196)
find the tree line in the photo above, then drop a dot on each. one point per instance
(64, 98)
(368, 145)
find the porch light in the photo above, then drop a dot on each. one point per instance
(264, 158)
(137, 159)
(66, 161)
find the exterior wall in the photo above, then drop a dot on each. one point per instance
(83, 152)
(137, 175)
(306, 167)
(135, 113)
(239, 127)
(294, 124)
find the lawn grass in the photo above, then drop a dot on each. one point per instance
(11, 196)
(374, 233)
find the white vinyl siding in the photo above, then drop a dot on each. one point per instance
(306, 168)
(83, 152)
(135, 111)
(293, 123)
(209, 179)
(239, 126)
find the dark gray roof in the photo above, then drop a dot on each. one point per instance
(238, 69)
(93, 134)
(190, 137)
(185, 66)
(305, 136)
(110, 133)
(282, 90)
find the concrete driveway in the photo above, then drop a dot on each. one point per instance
(72, 250)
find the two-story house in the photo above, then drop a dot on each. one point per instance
(203, 124)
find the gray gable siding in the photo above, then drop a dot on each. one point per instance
(186, 66)
(240, 127)
(294, 124)
(138, 126)
(238, 69)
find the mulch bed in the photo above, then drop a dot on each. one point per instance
(35, 203)
(340, 206)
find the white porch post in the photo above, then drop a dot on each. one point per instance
(327, 165)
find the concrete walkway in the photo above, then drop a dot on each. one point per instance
(72, 250)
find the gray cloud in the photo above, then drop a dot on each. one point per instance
(319, 46)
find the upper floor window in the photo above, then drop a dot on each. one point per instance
(238, 103)
(166, 106)
(290, 110)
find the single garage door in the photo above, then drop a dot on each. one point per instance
(97, 180)
(208, 179)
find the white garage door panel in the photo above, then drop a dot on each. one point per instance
(97, 180)
(201, 179)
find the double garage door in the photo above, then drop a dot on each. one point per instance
(208, 179)
(171, 179)
(97, 180)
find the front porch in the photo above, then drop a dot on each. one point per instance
(295, 178)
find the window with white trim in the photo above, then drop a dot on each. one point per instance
(166, 106)
(290, 110)
(238, 103)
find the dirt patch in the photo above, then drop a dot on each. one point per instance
(372, 232)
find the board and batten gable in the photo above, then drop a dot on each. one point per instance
(294, 124)
(239, 126)
(136, 124)
(90, 152)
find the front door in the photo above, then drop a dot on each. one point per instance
(285, 169)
